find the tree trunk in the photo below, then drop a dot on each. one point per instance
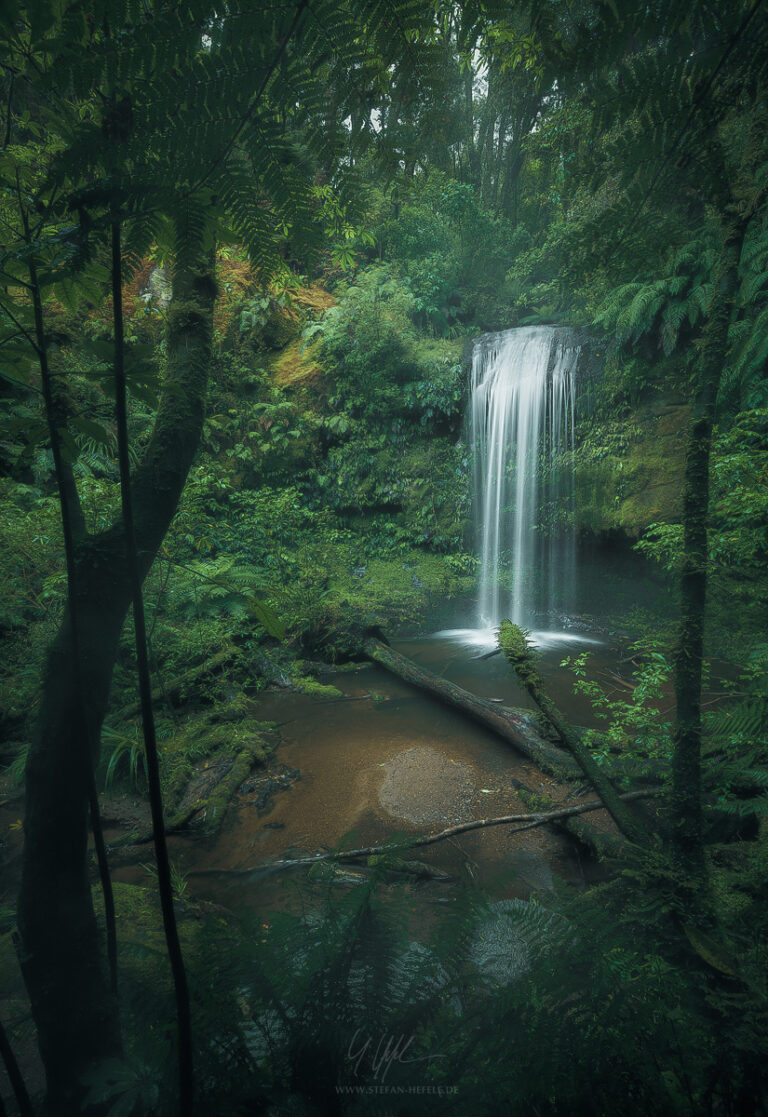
(469, 125)
(686, 761)
(73, 1007)
(516, 650)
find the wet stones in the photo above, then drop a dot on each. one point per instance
(261, 789)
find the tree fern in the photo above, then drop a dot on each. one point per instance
(223, 587)
(659, 307)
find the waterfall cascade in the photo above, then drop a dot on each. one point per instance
(521, 423)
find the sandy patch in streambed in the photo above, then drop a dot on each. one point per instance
(424, 787)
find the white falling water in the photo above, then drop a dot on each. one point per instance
(521, 423)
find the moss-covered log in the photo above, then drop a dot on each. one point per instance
(514, 645)
(219, 799)
(597, 842)
(517, 727)
(177, 686)
(213, 806)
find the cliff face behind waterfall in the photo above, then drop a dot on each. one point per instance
(629, 471)
(629, 454)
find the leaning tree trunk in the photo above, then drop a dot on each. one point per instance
(518, 653)
(61, 956)
(686, 763)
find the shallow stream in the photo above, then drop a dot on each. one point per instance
(385, 759)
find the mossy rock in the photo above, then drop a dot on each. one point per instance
(307, 685)
(297, 364)
(629, 475)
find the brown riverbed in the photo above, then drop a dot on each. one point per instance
(383, 760)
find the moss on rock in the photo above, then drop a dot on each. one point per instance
(307, 685)
(629, 473)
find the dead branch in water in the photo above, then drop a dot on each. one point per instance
(529, 822)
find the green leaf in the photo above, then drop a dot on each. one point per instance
(269, 620)
(18, 377)
(92, 430)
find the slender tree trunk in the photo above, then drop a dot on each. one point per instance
(72, 1004)
(162, 860)
(686, 762)
(499, 159)
(486, 140)
(469, 126)
(512, 168)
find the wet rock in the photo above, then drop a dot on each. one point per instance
(271, 670)
(263, 788)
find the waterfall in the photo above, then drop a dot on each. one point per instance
(521, 423)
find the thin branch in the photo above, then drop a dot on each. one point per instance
(13, 280)
(44, 217)
(15, 1077)
(529, 821)
(19, 327)
(9, 110)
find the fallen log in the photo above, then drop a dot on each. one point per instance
(175, 687)
(597, 842)
(519, 654)
(519, 821)
(600, 844)
(393, 867)
(212, 806)
(518, 727)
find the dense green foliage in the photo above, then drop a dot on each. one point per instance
(586, 1004)
(374, 185)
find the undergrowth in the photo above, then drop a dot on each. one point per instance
(366, 999)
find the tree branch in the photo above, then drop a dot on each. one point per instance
(530, 822)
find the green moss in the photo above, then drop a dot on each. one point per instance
(206, 736)
(307, 685)
(397, 591)
(629, 473)
(429, 351)
(513, 643)
(297, 365)
(216, 804)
